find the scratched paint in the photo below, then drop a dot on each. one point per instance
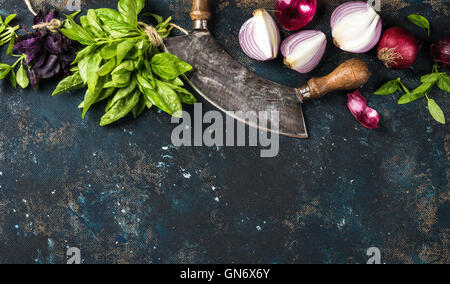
(124, 194)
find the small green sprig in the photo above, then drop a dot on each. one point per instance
(420, 21)
(440, 79)
(19, 77)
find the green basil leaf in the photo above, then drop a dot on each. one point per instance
(12, 42)
(128, 9)
(91, 97)
(121, 108)
(85, 24)
(124, 67)
(420, 21)
(94, 24)
(84, 53)
(388, 88)
(109, 52)
(69, 83)
(4, 72)
(9, 19)
(122, 78)
(139, 107)
(122, 93)
(92, 68)
(168, 67)
(22, 77)
(170, 98)
(106, 93)
(107, 14)
(76, 32)
(123, 48)
(444, 83)
(107, 68)
(436, 111)
(418, 93)
(13, 79)
(430, 78)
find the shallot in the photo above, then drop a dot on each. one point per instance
(441, 52)
(366, 116)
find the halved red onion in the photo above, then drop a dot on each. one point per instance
(365, 115)
(303, 51)
(260, 37)
(295, 14)
(356, 27)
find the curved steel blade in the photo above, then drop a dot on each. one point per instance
(230, 87)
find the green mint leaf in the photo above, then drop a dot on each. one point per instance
(169, 67)
(420, 21)
(436, 111)
(389, 88)
(444, 82)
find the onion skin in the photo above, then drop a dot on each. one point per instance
(303, 51)
(366, 116)
(398, 48)
(356, 37)
(441, 52)
(260, 37)
(295, 14)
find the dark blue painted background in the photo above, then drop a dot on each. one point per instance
(123, 194)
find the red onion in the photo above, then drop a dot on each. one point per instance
(303, 51)
(441, 52)
(366, 116)
(260, 37)
(295, 14)
(398, 48)
(356, 27)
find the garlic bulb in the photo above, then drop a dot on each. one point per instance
(356, 27)
(303, 51)
(260, 37)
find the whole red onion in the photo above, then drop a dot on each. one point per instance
(441, 52)
(295, 14)
(398, 48)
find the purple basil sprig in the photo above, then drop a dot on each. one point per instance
(47, 53)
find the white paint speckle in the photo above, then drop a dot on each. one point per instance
(217, 199)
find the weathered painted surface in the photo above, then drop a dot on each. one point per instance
(124, 194)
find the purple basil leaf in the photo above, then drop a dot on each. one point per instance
(33, 79)
(53, 43)
(50, 69)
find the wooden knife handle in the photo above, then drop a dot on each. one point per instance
(350, 75)
(200, 10)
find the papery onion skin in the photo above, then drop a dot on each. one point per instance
(353, 40)
(398, 48)
(293, 46)
(295, 14)
(260, 37)
(366, 116)
(441, 52)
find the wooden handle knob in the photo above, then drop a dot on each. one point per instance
(350, 75)
(200, 10)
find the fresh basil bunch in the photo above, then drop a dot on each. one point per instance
(120, 63)
(8, 35)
